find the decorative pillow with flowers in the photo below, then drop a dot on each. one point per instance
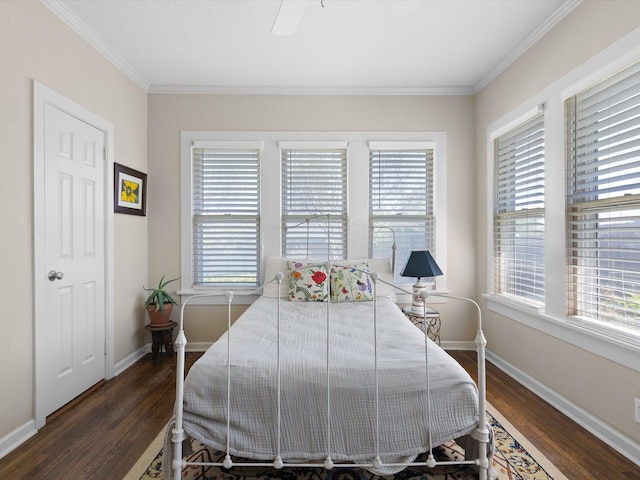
(307, 282)
(351, 283)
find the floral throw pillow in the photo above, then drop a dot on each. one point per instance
(351, 283)
(308, 282)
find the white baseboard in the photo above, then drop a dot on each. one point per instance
(605, 432)
(126, 362)
(14, 439)
(457, 345)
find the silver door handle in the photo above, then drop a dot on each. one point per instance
(53, 275)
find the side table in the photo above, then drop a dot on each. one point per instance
(161, 335)
(418, 319)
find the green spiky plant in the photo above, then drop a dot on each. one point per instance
(159, 296)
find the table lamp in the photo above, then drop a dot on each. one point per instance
(420, 265)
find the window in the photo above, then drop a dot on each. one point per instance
(314, 182)
(239, 189)
(225, 216)
(591, 204)
(401, 201)
(518, 213)
(603, 203)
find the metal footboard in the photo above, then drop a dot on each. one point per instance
(481, 434)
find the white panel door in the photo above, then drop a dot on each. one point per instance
(70, 342)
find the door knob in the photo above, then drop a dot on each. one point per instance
(53, 275)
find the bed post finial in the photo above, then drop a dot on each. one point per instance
(328, 265)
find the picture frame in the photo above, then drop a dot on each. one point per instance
(130, 191)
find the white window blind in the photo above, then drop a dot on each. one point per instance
(518, 216)
(225, 215)
(314, 183)
(401, 202)
(603, 203)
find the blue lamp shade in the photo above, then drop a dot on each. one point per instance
(421, 265)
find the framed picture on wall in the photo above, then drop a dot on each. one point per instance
(130, 192)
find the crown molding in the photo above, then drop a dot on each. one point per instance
(298, 90)
(555, 18)
(78, 26)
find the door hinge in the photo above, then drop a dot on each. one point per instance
(104, 153)
(106, 348)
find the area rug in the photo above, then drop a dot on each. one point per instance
(514, 459)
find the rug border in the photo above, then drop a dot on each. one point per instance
(150, 453)
(147, 457)
(548, 466)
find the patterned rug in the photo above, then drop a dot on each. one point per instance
(511, 461)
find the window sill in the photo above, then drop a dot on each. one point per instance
(614, 349)
(218, 296)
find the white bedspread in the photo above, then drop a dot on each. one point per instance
(403, 397)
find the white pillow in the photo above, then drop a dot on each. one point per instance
(274, 265)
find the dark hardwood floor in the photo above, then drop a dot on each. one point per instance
(101, 435)
(573, 450)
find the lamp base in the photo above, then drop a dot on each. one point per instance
(417, 302)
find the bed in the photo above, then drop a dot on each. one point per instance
(324, 369)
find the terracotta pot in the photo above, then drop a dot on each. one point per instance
(160, 318)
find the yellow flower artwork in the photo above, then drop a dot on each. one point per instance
(129, 191)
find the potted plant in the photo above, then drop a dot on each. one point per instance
(159, 304)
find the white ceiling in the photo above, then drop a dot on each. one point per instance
(340, 46)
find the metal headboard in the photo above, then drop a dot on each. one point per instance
(327, 216)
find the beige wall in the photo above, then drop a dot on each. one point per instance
(603, 388)
(36, 45)
(169, 114)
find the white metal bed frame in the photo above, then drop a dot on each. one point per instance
(482, 434)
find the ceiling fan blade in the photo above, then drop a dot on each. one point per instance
(288, 17)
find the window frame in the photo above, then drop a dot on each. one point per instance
(337, 220)
(270, 196)
(502, 284)
(204, 218)
(430, 216)
(599, 187)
